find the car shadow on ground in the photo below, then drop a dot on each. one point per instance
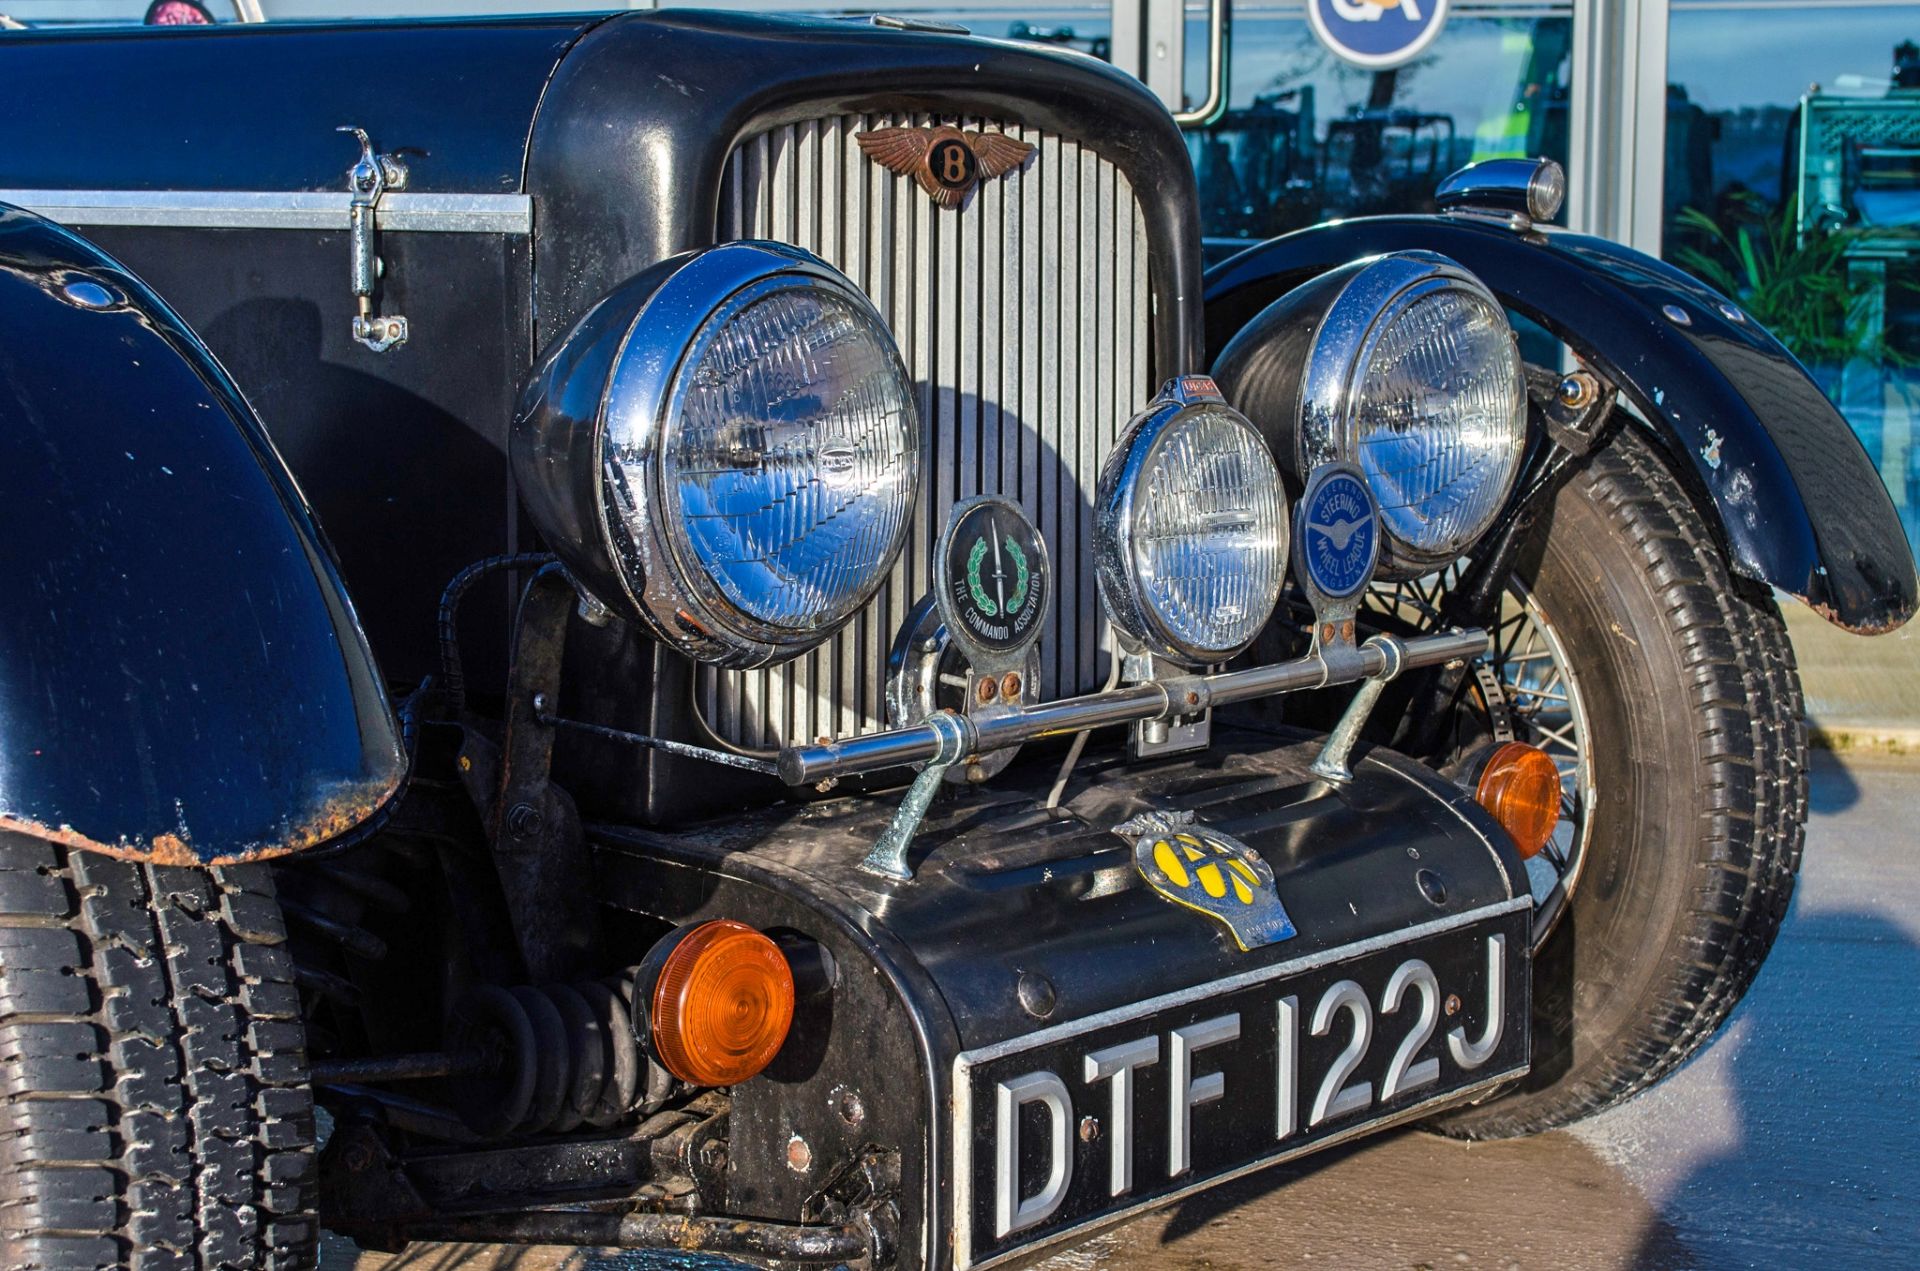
(1411, 1199)
(1791, 1142)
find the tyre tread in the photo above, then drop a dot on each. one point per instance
(1752, 743)
(156, 1113)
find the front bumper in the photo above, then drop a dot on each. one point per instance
(1022, 919)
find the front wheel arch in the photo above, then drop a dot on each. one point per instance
(1759, 448)
(186, 681)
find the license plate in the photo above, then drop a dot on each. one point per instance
(1095, 1119)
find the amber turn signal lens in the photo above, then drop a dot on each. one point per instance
(722, 1004)
(1521, 788)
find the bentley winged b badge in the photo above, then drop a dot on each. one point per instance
(946, 162)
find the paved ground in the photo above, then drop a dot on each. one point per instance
(1861, 693)
(1792, 1141)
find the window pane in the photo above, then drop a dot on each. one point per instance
(1793, 184)
(1308, 137)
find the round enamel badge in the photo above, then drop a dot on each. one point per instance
(992, 579)
(1377, 34)
(1338, 535)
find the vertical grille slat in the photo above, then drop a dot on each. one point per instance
(1022, 319)
(1057, 233)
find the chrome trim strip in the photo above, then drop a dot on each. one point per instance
(258, 209)
(963, 1095)
(1233, 983)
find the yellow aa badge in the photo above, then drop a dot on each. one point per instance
(1206, 871)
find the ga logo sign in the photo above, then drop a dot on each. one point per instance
(1377, 34)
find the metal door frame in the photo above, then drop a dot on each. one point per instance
(1617, 160)
(1616, 179)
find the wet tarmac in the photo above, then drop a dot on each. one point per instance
(1792, 1141)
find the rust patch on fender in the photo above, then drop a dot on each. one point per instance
(349, 805)
(1882, 625)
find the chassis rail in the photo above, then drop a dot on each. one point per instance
(738, 1237)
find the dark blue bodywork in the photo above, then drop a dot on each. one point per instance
(182, 677)
(1800, 504)
(256, 107)
(617, 131)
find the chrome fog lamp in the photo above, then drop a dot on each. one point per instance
(1191, 528)
(1411, 371)
(727, 449)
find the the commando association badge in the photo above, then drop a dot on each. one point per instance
(1209, 872)
(946, 162)
(993, 580)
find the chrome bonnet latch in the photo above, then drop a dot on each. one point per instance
(368, 180)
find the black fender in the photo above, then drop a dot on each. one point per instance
(1800, 504)
(182, 678)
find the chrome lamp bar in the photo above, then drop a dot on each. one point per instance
(1165, 698)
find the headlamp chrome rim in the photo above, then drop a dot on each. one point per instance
(1360, 315)
(1117, 570)
(658, 570)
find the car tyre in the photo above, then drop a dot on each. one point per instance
(156, 1110)
(1694, 729)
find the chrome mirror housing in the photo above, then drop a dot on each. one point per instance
(1532, 189)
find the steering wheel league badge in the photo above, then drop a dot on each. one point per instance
(1337, 538)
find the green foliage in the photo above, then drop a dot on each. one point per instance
(1797, 287)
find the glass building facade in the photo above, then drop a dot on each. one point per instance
(1307, 137)
(1792, 178)
(1770, 146)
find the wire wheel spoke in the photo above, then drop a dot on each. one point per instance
(1543, 701)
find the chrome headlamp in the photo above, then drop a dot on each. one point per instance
(727, 449)
(1412, 373)
(1191, 528)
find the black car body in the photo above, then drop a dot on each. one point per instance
(540, 808)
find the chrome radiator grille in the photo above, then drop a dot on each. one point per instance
(1023, 319)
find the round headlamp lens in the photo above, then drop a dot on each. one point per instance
(790, 456)
(1439, 420)
(1205, 538)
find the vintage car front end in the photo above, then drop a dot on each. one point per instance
(880, 480)
(910, 755)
